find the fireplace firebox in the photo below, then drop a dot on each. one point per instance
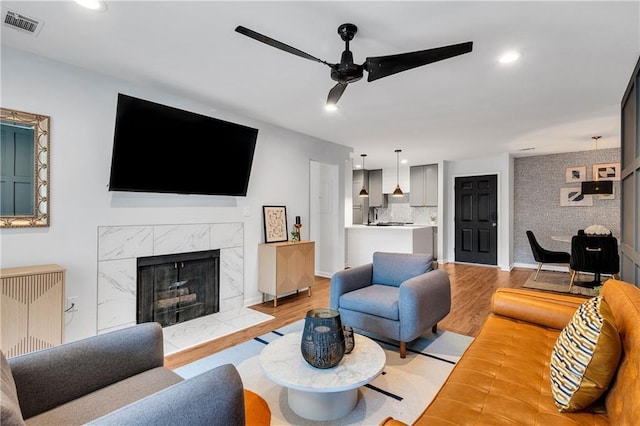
(178, 287)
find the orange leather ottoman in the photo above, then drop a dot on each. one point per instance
(256, 410)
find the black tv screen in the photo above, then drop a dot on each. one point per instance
(157, 148)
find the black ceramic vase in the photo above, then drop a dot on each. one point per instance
(322, 342)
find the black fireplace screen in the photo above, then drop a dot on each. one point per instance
(178, 287)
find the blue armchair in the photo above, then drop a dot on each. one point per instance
(398, 296)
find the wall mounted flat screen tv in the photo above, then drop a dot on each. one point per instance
(157, 148)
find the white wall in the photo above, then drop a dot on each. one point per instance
(82, 107)
(502, 166)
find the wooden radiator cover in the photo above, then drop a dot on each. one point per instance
(31, 308)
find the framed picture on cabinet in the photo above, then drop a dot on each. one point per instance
(607, 171)
(275, 224)
(576, 174)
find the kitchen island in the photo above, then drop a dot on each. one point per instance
(363, 240)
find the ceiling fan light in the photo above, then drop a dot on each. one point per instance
(509, 57)
(98, 5)
(331, 107)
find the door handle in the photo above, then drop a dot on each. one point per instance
(494, 224)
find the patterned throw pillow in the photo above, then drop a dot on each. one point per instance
(585, 357)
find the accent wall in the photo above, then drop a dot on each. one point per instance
(538, 183)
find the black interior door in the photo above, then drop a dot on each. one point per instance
(476, 221)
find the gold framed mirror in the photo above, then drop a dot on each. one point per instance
(24, 169)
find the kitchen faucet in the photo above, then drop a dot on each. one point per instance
(369, 215)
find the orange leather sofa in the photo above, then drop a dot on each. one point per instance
(503, 377)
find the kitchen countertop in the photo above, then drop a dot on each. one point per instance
(406, 226)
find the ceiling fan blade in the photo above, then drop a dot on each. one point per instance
(383, 66)
(335, 93)
(278, 45)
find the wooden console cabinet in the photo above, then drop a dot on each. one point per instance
(285, 267)
(31, 308)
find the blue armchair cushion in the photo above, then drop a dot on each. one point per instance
(379, 300)
(395, 268)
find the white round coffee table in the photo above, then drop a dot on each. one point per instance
(321, 394)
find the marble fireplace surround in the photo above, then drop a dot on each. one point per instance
(120, 246)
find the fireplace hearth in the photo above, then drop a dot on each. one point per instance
(178, 287)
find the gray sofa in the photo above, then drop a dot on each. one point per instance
(398, 296)
(116, 378)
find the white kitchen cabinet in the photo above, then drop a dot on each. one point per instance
(389, 180)
(360, 177)
(376, 196)
(424, 186)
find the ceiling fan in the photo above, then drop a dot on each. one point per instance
(377, 67)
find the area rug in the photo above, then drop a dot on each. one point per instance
(402, 390)
(558, 282)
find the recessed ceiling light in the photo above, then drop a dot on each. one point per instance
(404, 161)
(509, 57)
(97, 5)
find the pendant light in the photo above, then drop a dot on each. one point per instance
(363, 191)
(595, 187)
(398, 192)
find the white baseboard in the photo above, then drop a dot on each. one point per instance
(253, 301)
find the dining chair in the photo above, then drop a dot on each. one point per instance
(542, 255)
(596, 254)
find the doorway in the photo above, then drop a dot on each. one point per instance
(324, 213)
(476, 219)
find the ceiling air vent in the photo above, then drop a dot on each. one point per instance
(21, 22)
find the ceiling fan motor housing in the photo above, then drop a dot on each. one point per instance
(346, 71)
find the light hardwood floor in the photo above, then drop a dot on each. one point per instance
(471, 290)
